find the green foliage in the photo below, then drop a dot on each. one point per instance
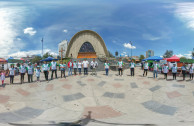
(141, 57)
(36, 59)
(183, 58)
(46, 55)
(168, 54)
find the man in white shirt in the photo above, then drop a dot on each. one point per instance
(85, 66)
(22, 70)
(30, 71)
(191, 71)
(155, 67)
(120, 67)
(132, 67)
(53, 66)
(165, 71)
(79, 65)
(174, 71)
(94, 65)
(146, 67)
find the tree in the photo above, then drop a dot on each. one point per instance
(116, 53)
(183, 58)
(192, 54)
(36, 59)
(46, 55)
(168, 54)
(141, 57)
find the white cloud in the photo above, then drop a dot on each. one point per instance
(150, 37)
(11, 19)
(30, 31)
(20, 54)
(65, 30)
(185, 12)
(128, 45)
(189, 55)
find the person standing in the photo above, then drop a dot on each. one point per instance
(45, 69)
(184, 69)
(75, 67)
(120, 67)
(30, 71)
(191, 71)
(79, 65)
(146, 67)
(174, 71)
(106, 67)
(165, 71)
(53, 68)
(85, 66)
(155, 72)
(37, 70)
(2, 76)
(94, 65)
(70, 67)
(132, 67)
(62, 68)
(22, 70)
(11, 73)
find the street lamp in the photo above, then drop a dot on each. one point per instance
(131, 50)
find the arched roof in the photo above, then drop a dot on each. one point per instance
(82, 32)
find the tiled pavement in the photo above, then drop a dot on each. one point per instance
(109, 99)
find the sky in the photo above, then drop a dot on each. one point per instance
(158, 25)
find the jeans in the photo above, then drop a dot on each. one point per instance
(70, 71)
(79, 69)
(55, 74)
(75, 71)
(85, 71)
(132, 71)
(184, 73)
(94, 71)
(120, 71)
(145, 71)
(174, 76)
(106, 72)
(46, 75)
(62, 73)
(11, 79)
(22, 77)
(155, 73)
(30, 78)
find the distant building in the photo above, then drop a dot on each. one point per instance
(63, 46)
(149, 53)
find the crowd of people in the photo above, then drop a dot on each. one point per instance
(76, 68)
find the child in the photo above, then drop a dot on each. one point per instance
(2, 76)
(106, 67)
(38, 73)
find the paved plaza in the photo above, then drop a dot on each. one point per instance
(99, 101)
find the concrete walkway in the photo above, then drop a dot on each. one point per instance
(99, 101)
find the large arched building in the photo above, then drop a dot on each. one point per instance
(87, 44)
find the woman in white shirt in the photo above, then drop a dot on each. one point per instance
(11, 73)
(79, 65)
(165, 71)
(191, 70)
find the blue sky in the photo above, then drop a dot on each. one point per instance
(148, 24)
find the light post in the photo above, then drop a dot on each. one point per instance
(42, 46)
(131, 50)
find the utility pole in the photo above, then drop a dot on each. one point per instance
(42, 46)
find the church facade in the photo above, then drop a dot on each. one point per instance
(87, 44)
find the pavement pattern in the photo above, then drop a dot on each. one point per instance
(99, 101)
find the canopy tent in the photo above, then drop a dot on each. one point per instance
(49, 59)
(153, 58)
(173, 59)
(23, 59)
(3, 61)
